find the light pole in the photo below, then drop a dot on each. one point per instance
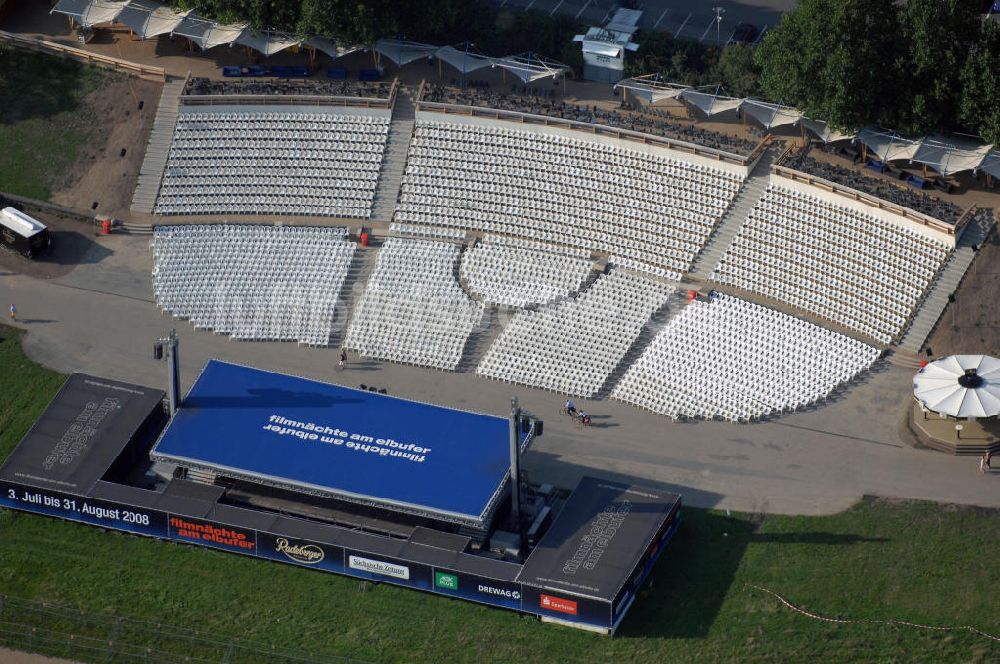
(719, 11)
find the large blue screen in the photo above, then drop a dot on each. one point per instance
(339, 440)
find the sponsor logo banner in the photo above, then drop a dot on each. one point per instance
(445, 581)
(380, 567)
(300, 552)
(560, 604)
(206, 533)
(477, 588)
(75, 508)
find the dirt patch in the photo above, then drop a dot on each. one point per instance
(971, 324)
(100, 173)
(73, 243)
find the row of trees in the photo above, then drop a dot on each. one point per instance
(919, 67)
(433, 21)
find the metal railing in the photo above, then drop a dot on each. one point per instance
(146, 72)
(61, 631)
(593, 128)
(868, 199)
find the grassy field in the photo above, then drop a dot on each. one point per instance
(43, 122)
(881, 560)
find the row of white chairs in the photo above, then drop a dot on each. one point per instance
(236, 162)
(413, 309)
(518, 277)
(572, 347)
(731, 359)
(253, 282)
(857, 270)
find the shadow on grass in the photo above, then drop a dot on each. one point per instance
(689, 584)
(33, 86)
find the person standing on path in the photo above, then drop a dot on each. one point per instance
(984, 463)
(343, 358)
(13, 312)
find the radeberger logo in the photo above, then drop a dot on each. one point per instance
(307, 554)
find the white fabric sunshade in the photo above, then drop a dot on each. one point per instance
(710, 103)
(88, 13)
(404, 52)
(529, 68)
(463, 61)
(888, 147)
(267, 43)
(331, 48)
(943, 386)
(208, 34)
(653, 90)
(826, 133)
(771, 115)
(149, 19)
(949, 156)
(991, 164)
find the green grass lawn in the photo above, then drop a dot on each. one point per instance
(43, 122)
(881, 560)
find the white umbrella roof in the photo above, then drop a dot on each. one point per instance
(530, 67)
(267, 43)
(711, 103)
(330, 47)
(651, 88)
(771, 115)
(463, 60)
(960, 386)
(148, 19)
(404, 52)
(88, 13)
(208, 34)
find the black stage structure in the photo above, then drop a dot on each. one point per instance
(577, 559)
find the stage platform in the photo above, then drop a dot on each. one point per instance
(86, 458)
(342, 443)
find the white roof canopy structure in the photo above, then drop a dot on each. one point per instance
(88, 13)
(150, 19)
(888, 146)
(463, 59)
(651, 88)
(991, 164)
(404, 52)
(208, 34)
(267, 43)
(960, 386)
(949, 156)
(711, 103)
(331, 48)
(826, 133)
(530, 67)
(771, 115)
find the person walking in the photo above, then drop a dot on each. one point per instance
(984, 462)
(13, 312)
(343, 358)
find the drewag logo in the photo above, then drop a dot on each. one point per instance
(445, 581)
(307, 554)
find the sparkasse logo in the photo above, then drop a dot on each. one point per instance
(558, 604)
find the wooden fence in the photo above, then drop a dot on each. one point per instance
(145, 72)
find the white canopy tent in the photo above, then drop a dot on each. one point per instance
(710, 103)
(208, 34)
(888, 146)
(267, 43)
(147, 18)
(650, 89)
(88, 13)
(949, 156)
(771, 115)
(331, 48)
(991, 164)
(960, 386)
(404, 52)
(464, 61)
(824, 131)
(530, 67)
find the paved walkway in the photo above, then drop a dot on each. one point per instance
(100, 318)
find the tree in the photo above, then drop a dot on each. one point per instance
(980, 100)
(739, 72)
(829, 59)
(938, 36)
